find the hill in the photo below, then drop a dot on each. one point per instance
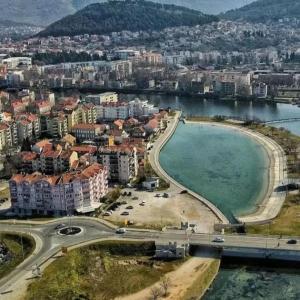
(40, 12)
(45, 12)
(266, 10)
(128, 15)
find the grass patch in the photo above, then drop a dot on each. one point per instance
(100, 271)
(287, 222)
(14, 243)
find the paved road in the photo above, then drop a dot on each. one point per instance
(49, 242)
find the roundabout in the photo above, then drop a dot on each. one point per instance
(70, 230)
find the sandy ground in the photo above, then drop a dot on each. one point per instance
(160, 211)
(180, 280)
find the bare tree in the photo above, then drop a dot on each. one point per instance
(155, 293)
(165, 285)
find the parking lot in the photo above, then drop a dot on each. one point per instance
(160, 209)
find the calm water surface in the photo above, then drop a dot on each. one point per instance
(221, 164)
(251, 110)
(241, 283)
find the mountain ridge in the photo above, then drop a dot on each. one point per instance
(45, 12)
(114, 16)
(266, 10)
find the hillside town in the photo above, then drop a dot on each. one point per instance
(102, 63)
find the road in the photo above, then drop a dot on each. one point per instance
(49, 242)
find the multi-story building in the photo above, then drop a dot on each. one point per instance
(87, 131)
(51, 161)
(121, 162)
(57, 126)
(86, 114)
(112, 111)
(5, 136)
(79, 191)
(138, 108)
(102, 98)
(28, 126)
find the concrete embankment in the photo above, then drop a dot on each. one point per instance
(272, 201)
(154, 160)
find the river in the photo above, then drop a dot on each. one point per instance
(252, 110)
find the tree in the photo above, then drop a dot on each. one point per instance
(26, 145)
(155, 293)
(165, 285)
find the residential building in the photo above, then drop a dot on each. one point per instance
(102, 98)
(121, 162)
(87, 131)
(112, 111)
(79, 191)
(138, 108)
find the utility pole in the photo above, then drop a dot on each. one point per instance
(22, 247)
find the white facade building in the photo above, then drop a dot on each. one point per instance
(112, 111)
(139, 108)
(59, 195)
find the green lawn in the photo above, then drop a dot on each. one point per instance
(287, 222)
(13, 242)
(100, 271)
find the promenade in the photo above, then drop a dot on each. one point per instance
(154, 161)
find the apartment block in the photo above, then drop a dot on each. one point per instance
(79, 191)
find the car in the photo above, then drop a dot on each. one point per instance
(106, 214)
(218, 240)
(60, 226)
(183, 192)
(125, 213)
(292, 242)
(129, 207)
(120, 230)
(142, 204)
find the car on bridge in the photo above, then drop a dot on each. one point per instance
(120, 230)
(218, 239)
(292, 242)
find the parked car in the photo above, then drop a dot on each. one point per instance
(120, 230)
(129, 207)
(125, 213)
(142, 204)
(183, 192)
(218, 240)
(292, 242)
(107, 213)
(60, 226)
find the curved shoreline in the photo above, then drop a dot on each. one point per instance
(272, 202)
(154, 161)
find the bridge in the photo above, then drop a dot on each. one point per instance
(49, 243)
(281, 120)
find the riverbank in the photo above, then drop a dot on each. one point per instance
(272, 201)
(174, 185)
(189, 281)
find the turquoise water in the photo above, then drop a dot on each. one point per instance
(223, 165)
(243, 283)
